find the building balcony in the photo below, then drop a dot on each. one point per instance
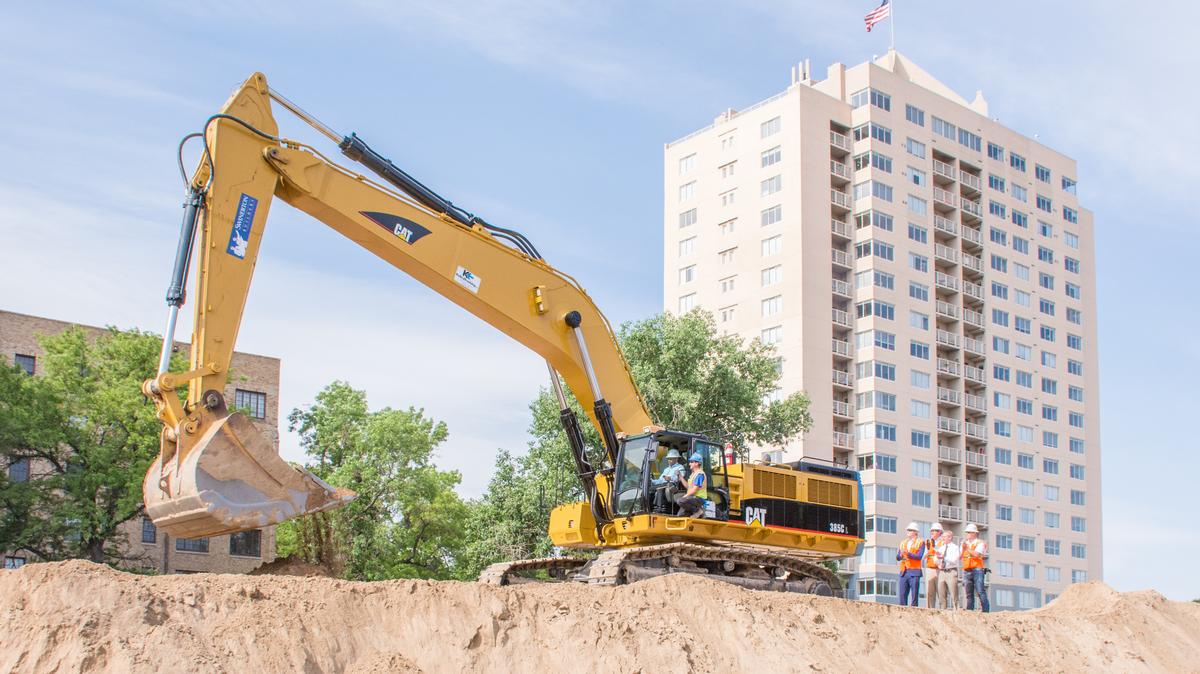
(945, 281)
(972, 235)
(839, 169)
(973, 263)
(946, 309)
(970, 180)
(973, 290)
(973, 318)
(946, 366)
(948, 425)
(842, 288)
(842, 440)
(977, 403)
(949, 396)
(970, 207)
(944, 198)
(949, 512)
(975, 487)
(949, 454)
(945, 253)
(947, 339)
(839, 141)
(979, 517)
(840, 199)
(942, 169)
(847, 566)
(949, 483)
(975, 374)
(843, 378)
(840, 228)
(842, 408)
(842, 347)
(977, 431)
(842, 318)
(841, 258)
(976, 459)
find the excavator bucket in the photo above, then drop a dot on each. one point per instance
(231, 479)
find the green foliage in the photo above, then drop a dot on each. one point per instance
(407, 520)
(692, 379)
(89, 435)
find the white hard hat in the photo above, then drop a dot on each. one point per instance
(937, 526)
(971, 528)
(912, 526)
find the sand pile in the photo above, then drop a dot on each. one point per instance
(76, 616)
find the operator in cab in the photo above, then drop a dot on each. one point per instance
(691, 503)
(666, 483)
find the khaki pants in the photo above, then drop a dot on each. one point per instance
(931, 585)
(947, 588)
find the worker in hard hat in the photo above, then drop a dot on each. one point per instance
(974, 558)
(691, 503)
(909, 555)
(948, 553)
(665, 484)
(931, 565)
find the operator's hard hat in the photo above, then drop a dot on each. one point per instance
(971, 528)
(674, 454)
(937, 526)
(912, 526)
(696, 457)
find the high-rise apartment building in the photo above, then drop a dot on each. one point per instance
(927, 276)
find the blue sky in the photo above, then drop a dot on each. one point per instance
(550, 117)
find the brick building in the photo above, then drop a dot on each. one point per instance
(254, 385)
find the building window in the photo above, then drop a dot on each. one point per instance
(922, 499)
(149, 531)
(246, 543)
(25, 362)
(943, 128)
(687, 274)
(772, 275)
(772, 306)
(1016, 161)
(772, 335)
(254, 402)
(772, 156)
(770, 127)
(771, 185)
(994, 151)
(687, 303)
(18, 470)
(686, 164)
(687, 218)
(915, 148)
(191, 544)
(687, 191)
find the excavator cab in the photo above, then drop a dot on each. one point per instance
(639, 487)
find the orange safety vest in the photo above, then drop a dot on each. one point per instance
(910, 547)
(971, 559)
(930, 554)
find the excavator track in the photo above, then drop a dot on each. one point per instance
(747, 567)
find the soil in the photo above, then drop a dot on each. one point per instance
(82, 617)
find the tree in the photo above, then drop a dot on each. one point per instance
(407, 520)
(691, 377)
(88, 435)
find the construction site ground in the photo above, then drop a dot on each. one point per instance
(82, 617)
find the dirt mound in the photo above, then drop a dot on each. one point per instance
(291, 566)
(77, 616)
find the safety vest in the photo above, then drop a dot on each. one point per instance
(930, 555)
(972, 554)
(910, 547)
(702, 492)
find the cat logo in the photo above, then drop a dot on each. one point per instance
(406, 230)
(756, 516)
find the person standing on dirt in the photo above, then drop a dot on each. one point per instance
(932, 565)
(947, 583)
(909, 556)
(974, 554)
(691, 503)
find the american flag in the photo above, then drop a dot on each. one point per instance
(878, 14)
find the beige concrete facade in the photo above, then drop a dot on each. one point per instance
(255, 377)
(928, 278)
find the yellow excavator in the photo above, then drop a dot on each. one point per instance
(763, 525)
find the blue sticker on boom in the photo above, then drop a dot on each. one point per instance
(239, 237)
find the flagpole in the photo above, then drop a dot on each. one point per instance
(892, 22)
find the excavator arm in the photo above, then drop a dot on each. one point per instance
(215, 472)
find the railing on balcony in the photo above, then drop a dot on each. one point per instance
(976, 487)
(977, 459)
(969, 206)
(969, 180)
(947, 339)
(977, 516)
(945, 253)
(949, 512)
(943, 169)
(976, 402)
(946, 395)
(842, 408)
(949, 425)
(947, 309)
(972, 290)
(842, 440)
(949, 453)
(840, 198)
(839, 169)
(841, 257)
(971, 262)
(847, 566)
(839, 140)
(950, 482)
(945, 224)
(946, 281)
(949, 367)
(842, 318)
(977, 431)
(971, 234)
(841, 287)
(975, 374)
(843, 378)
(840, 228)
(841, 347)
(943, 197)
(973, 317)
